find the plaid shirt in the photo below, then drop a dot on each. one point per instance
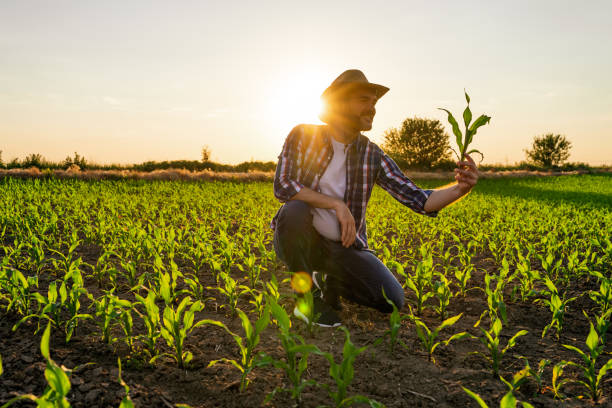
(307, 152)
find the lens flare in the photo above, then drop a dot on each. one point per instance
(301, 282)
(303, 306)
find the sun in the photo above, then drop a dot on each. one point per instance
(295, 99)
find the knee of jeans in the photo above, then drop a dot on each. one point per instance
(294, 216)
(395, 295)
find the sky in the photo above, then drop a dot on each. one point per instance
(131, 81)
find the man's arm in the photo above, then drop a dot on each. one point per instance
(466, 175)
(345, 218)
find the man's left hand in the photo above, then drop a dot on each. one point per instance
(466, 174)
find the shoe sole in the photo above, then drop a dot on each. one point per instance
(297, 313)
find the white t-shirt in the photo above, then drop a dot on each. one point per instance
(333, 184)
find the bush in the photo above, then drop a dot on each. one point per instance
(549, 150)
(78, 161)
(418, 143)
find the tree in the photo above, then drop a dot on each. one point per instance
(77, 160)
(419, 142)
(33, 160)
(549, 150)
(205, 154)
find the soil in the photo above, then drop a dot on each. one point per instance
(404, 378)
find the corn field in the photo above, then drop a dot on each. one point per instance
(169, 293)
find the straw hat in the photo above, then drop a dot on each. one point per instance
(348, 80)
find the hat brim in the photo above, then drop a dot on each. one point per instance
(335, 91)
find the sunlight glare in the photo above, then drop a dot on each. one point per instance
(294, 100)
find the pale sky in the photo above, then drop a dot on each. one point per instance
(129, 81)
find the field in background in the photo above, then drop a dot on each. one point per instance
(100, 259)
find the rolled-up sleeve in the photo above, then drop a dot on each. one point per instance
(285, 179)
(394, 181)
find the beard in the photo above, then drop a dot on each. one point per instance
(356, 122)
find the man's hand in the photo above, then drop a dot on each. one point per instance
(347, 223)
(466, 174)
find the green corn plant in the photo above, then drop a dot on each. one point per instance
(470, 130)
(100, 270)
(151, 320)
(550, 266)
(495, 299)
(395, 324)
(420, 283)
(305, 304)
(603, 297)
(75, 290)
(429, 337)
(51, 307)
(527, 278)
(37, 254)
(253, 269)
(557, 305)
(129, 269)
(167, 281)
(248, 358)
(195, 288)
(343, 374)
(19, 290)
(296, 355)
(231, 290)
(507, 401)
(176, 325)
(556, 382)
(463, 275)
(58, 382)
(491, 340)
(126, 401)
(602, 324)
(536, 374)
(443, 293)
(108, 309)
(592, 376)
(66, 263)
(257, 301)
(517, 380)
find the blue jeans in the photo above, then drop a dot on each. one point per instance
(356, 275)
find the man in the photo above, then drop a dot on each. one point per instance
(324, 177)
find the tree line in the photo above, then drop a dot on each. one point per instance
(423, 144)
(417, 144)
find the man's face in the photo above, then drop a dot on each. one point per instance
(359, 108)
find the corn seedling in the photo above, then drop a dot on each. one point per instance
(470, 130)
(176, 325)
(150, 318)
(248, 358)
(231, 290)
(126, 401)
(536, 374)
(603, 296)
(108, 309)
(296, 355)
(343, 374)
(557, 305)
(420, 282)
(428, 337)
(507, 401)
(592, 376)
(556, 382)
(395, 324)
(443, 293)
(491, 340)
